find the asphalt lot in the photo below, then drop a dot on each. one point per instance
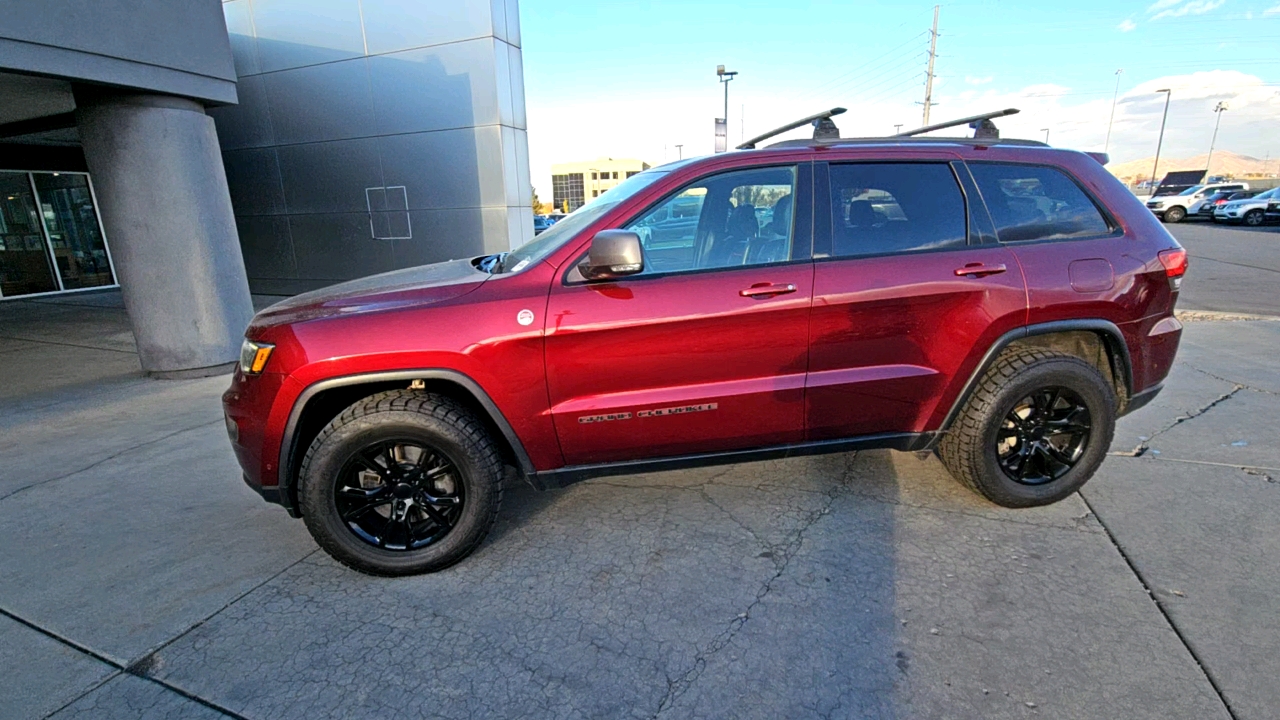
(1233, 268)
(141, 579)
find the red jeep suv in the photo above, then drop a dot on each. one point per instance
(999, 302)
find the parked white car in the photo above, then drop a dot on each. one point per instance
(1175, 208)
(1251, 211)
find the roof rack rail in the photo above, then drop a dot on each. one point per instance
(984, 128)
(823, 128)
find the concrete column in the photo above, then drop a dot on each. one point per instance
(162, 191)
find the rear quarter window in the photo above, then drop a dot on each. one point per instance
(1033, 202)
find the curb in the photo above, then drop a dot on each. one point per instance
(1215, 316)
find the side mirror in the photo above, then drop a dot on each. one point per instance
(613, 254)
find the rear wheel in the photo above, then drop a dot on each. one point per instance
(1175, 214)
(1034, 431)
(401, 483)
(1253, 218)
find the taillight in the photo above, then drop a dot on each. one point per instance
(1175, 266)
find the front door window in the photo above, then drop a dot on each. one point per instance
(732, 219)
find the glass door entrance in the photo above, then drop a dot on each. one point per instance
(50, 237)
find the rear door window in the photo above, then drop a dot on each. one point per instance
(889, 208)
(1032, 202)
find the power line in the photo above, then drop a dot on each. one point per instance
(887, 74)
(825, 87)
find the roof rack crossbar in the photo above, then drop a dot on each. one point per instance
(824, 115)
(979, 121)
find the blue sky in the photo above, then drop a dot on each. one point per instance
(631, 79)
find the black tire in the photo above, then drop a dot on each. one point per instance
(1253, 218)
(973, 451)
(465, 477)
(1175, 214)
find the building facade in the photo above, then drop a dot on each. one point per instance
(372, 135)
(189, 151)
(575, 184)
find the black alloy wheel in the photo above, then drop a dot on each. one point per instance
(1043, 436)
(399, 494)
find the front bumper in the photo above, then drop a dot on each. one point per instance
(246, 407)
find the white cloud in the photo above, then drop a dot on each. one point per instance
(971, 80)
(1179, 8)
(1127, 25)
(1272, 10)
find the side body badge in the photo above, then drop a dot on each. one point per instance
(525, 317)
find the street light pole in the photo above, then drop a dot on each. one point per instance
(1168, 94)
(897, 128)
(1046, 135)
(1208, 163)
(1114, 97)
(680, 152)
(725, 77)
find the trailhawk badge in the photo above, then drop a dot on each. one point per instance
(525, 317)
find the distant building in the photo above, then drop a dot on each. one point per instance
(575, 184)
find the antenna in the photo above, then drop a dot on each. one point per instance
(982, 123)
(823, 128)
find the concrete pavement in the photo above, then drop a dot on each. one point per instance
(1233, 268)
(142, 579)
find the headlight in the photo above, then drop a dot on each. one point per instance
(254, 356)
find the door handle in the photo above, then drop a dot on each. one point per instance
(980, 270)
(767, 290)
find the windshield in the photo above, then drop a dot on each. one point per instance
(1192, 190)
(558, 234)
(1268, 195)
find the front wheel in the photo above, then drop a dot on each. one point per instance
(1175, 214)
(401, 483)
(1253, 218)
(1034, 431)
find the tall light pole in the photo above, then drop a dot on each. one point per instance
(679, 152)
(1208, 163)
(1114, 97)
(1046, 135)
(897, 128)
(725, 76)
(1168, 94)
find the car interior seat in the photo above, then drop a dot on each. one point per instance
(741, 229)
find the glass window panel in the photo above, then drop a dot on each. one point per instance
(74, 233)
(888, 208)
(24, 258)
(1029, 202)
(734, 219)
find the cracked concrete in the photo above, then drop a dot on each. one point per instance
(842, 586)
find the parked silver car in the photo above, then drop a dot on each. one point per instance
(1251, 212)
(1175, 208)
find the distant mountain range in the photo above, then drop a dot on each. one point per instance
(1224, 163)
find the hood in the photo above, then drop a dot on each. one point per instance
(409, 287)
